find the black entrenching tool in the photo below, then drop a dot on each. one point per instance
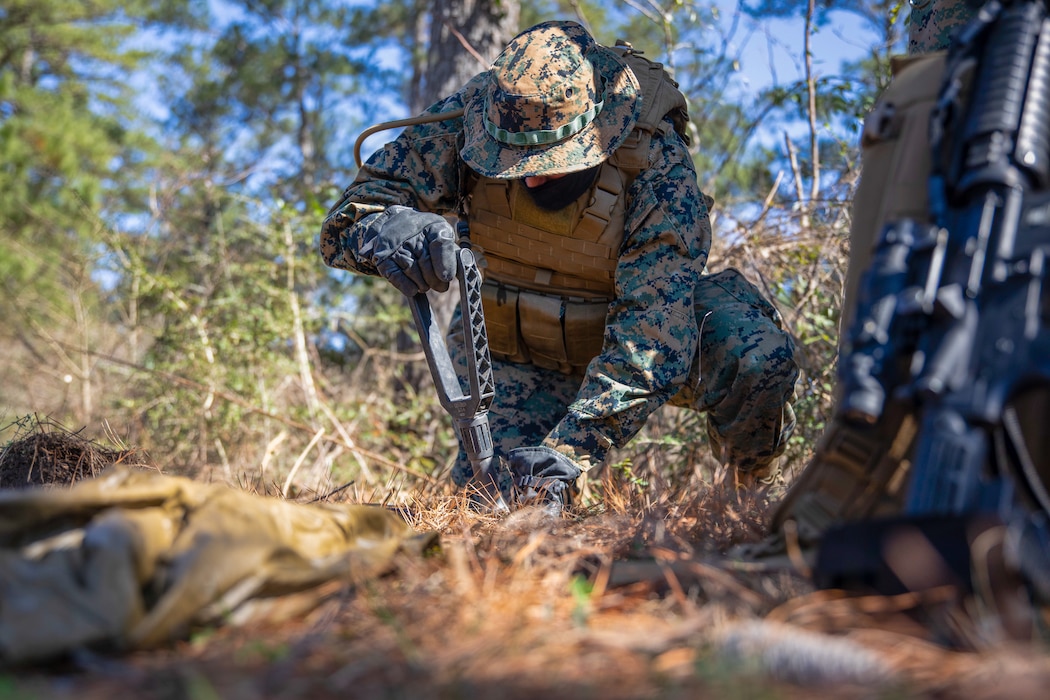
(468, 411)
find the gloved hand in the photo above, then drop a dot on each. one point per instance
(415, 251)
(543, 475)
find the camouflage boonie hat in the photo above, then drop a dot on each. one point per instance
(556, 102)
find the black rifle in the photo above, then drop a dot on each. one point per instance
(946, 368)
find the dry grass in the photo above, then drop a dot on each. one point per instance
(630, 598)
(44, 453)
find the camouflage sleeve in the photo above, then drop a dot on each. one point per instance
(419, 169)
(932, 23)
(651, 334)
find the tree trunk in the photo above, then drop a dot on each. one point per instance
(466, 36)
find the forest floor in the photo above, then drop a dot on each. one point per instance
(622, 601)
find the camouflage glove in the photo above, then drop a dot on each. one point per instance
(543, 475)
(415, 251)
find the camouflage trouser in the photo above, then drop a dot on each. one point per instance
(744, 379)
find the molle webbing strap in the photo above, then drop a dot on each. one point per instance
(550, 331)
(500, 304)
(660, 98)
(536, 259)
(857, 472)
(661, 94)
(496, 196)
(596, 216)
(582, 263)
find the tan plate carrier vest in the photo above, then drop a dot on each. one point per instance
(550, 275)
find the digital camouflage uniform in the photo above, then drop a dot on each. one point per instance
(672, 334)
(932, 22)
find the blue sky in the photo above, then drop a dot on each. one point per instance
(772, 50)
(775, 54)
(772, 47)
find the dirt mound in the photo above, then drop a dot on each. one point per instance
(45, 453)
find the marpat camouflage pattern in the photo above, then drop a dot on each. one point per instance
(931, 23)
(673, 335)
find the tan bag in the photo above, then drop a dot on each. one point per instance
(895, 161)
(133, 559)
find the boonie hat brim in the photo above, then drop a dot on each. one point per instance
(585, 148)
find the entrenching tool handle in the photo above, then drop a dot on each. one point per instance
(468, 411)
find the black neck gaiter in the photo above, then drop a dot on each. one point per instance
(559, 193)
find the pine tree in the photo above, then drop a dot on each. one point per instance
(69, 145)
